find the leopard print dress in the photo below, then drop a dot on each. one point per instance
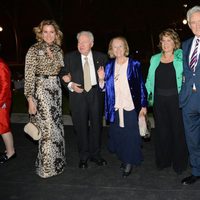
(43, 84)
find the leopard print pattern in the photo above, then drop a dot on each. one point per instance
(51, 156)
(47, 95)
(38, 62)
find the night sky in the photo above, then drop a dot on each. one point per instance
(140, 21)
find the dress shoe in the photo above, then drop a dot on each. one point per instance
(99, 161)
(190, 180)
(4, 158)
(127, 170)
(2, 153)
(83, 164)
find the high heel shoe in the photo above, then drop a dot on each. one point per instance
(127, 170)
(4, 158)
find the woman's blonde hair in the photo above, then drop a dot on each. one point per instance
(38, 31)
(173, 35)
(126, 47)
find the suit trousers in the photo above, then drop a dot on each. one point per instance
(87, 121)
(191, 117)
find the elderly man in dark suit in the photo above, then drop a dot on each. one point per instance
(190, 94)
(85, 97)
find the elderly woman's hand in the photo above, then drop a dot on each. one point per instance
(143, 111)
(101, 73)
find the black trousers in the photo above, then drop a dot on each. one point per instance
(87, 120)
(170, 143)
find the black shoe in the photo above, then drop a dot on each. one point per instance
(127, 170)
(83, 164)
(99, 161)
(190, 180)
(4, 158)
(1, 153)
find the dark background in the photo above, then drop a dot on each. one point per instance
(140, 21)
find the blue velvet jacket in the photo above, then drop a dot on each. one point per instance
(136, 85)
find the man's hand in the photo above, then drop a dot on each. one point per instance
(76, 87)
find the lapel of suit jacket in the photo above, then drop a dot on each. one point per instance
(198, 63)
(96, 62)
(188, 49)
(79, 67)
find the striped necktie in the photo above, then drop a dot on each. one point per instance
(194, 57)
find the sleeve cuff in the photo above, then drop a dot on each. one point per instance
(70, 87)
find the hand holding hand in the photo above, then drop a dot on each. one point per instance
(76, 87)
(67, 78)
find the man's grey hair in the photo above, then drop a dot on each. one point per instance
(87, 33)
(191, 11)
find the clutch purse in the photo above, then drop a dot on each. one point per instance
(144, 126)
(32, 130)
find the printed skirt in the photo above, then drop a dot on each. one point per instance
(51, 150)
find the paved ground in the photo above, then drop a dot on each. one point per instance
(24, 118)
(19, 181)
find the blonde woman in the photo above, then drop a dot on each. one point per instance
(125, 100)
(44, 61)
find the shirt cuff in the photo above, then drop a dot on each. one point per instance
(101, 84)
(70, 87)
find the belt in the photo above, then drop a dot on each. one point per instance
(45, 76)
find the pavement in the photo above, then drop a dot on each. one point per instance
(18, 180)
(23, 118)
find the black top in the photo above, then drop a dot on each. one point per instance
(165, 79)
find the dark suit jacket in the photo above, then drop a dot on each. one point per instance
(73, 65)
(188, 77)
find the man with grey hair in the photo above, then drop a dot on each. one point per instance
(190, 94)
(85, 97)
